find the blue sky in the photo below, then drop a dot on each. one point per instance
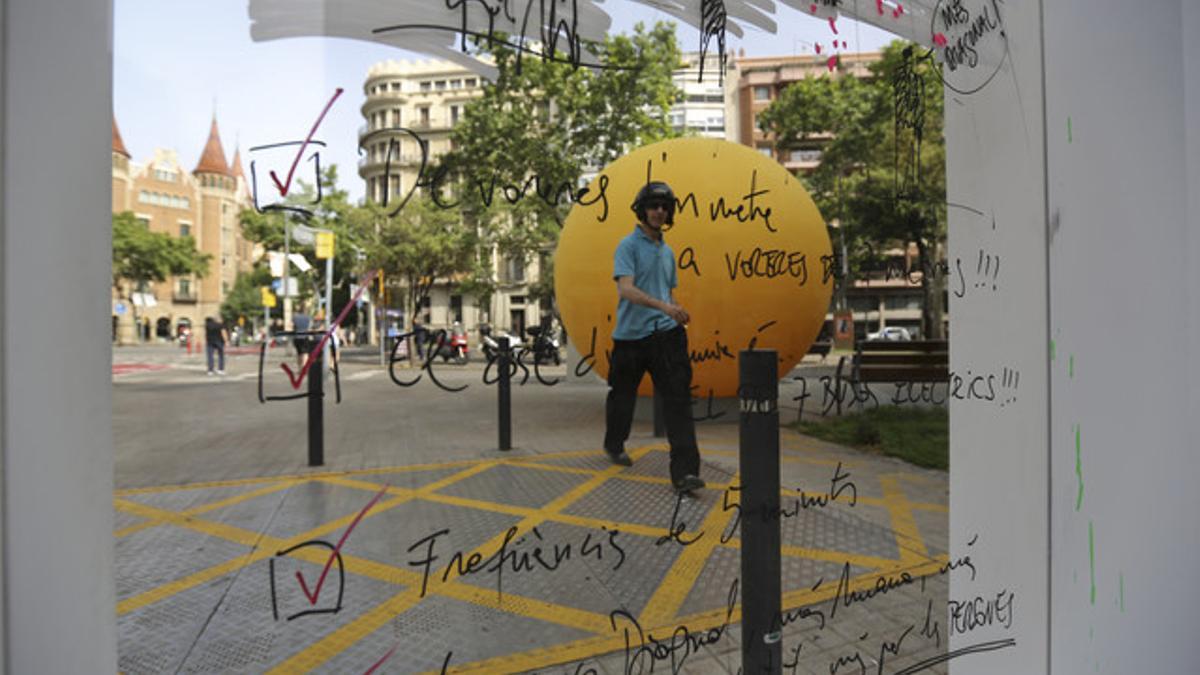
(175, 62)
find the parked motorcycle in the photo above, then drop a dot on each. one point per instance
(491, 347)
(452, 345)
(545, 345)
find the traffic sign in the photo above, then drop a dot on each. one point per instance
(324, 245)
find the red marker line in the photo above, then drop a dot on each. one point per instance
(386, 656)
(284, 187)
(312, 356)
(312, 598)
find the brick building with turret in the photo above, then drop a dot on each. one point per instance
(204, 204)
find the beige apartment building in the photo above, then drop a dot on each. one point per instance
(428, 98)
(203, 203)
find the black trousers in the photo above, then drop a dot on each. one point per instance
(665, 355)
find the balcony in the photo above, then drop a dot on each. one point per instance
(188, 298)
(371, 162)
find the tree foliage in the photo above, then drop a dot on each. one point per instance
(882, 169)
(521, 148)
(420, 246)
(328, 207)
(140, 257)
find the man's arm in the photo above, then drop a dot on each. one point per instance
(637, 296)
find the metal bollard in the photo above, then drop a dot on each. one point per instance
(504, 390)
(758, 460)
(316, 412)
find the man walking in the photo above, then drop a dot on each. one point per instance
(650, 336)
(214, 344)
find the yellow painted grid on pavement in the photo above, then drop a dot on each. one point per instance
(660, 613)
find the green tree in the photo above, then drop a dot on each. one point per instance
(882, 170)
(542, 123)
(420, 246)
(140, 257)
(245, 298)
(329, 208)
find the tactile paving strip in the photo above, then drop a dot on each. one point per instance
(155, 639)
(520, 486)
(625, 501)
(188, 498)
(243, 634)
(439, 626)
(229, 634)
(394, 537)
(836, 531)
(158, 555)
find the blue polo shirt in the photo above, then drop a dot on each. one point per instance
(652, 265)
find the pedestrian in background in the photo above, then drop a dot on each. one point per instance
(214, 343)
(650, 336)
(301, 324)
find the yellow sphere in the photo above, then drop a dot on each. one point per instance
(752, 256)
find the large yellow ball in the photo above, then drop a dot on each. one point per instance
(752, 256)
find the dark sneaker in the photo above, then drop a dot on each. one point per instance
(620, 458)
(688, 484)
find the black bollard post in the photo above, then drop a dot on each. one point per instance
(316, 411)
(758, 458)
(505, 394)
(660, 420)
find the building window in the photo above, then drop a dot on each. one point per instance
(426, 86)
(395, 186)
(514, 270)
(440, 85)
(456, 308)
(804, 155)
(469, 82)
(423, 113)
(454, 113)
(516, 300)
(185, 229)
(395, 86)
(185, 288)
(762, 93)
(395, 117)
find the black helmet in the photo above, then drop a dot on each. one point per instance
(655, 192)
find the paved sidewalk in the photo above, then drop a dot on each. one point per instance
(419, 546)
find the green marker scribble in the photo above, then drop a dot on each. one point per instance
(1121, 576)
(1052, 349)
(1071, 366)
(1069, 138)
(1078, 469)
(1092, 555)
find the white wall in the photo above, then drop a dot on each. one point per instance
(59, 599)
(1124, 310)
(998, 448)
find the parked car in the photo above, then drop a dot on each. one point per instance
(891, 334)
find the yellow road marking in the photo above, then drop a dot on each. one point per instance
(904, 526)
(205, 508)
(591, 647)
(324, 649)
(662, 607)
(678, 582)
(265, 545)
